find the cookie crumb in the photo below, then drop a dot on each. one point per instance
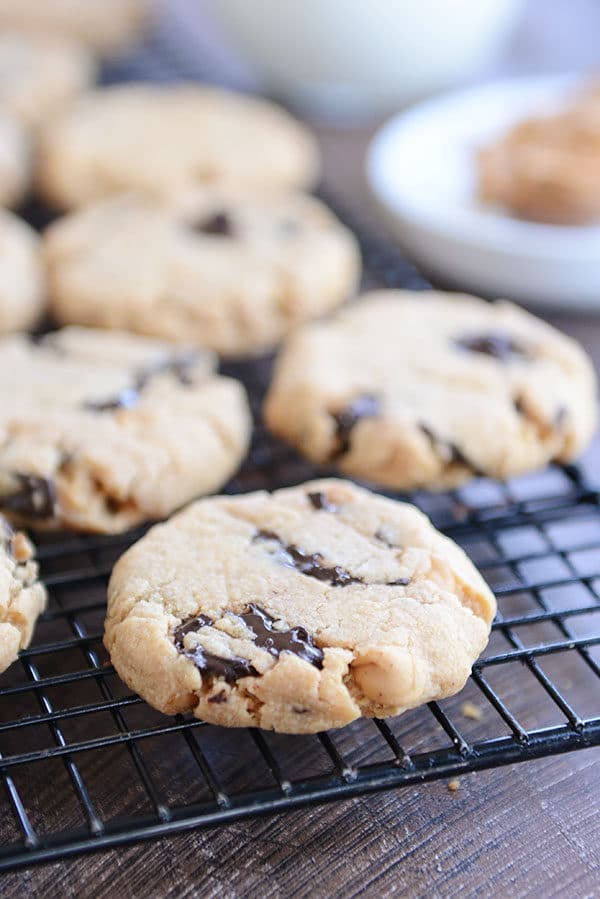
(472, 711)
(454, 785)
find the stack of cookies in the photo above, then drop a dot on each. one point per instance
(184, 235)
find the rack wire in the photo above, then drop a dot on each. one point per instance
(85, 765)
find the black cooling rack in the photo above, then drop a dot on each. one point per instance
(85, 765)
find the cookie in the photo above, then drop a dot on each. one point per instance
(231, 272)
(39, 75)
(105, 25)
(546, 169)
(156, 140)
(22, 292)
(15, 160)
(426, 390)
(22, 597)
(102, 431)
(296, 611)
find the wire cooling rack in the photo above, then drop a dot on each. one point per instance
(86, 765)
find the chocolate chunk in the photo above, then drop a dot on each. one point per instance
(320, 502)
(366, 406)
(449, 451)
(561, 416)
(296, 640)
(499, 345)
(219, 697)
(179, 365)
(126, 399)
(34, 497)
(219, 224)
(312, 564)
(216, 666)
(382, 535)
(6, 536)
(401, 582)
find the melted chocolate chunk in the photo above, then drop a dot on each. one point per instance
(310, 564)
(34, 497)
(450, 451)
(320, 502)
(384, 538)
(561, 416)
(216, 666)
(366, 406)
(126, 399)
(296, 640)
(219, 224)
(180, 366)
(6, 536)
(219, 697)
(498, 344)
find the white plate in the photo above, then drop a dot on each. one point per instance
(422, 172)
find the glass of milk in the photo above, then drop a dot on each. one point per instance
(353, 59)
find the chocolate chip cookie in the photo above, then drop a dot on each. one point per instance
(296, 611)
(229, 271)
(41, 74)
(22, 290)
(105, 25)
(157, 139)
(102, 431)
(22, 597)
(426, 390)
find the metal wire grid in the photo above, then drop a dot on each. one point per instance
(85, 765)
(70, 729)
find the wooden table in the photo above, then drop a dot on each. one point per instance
(527, 830)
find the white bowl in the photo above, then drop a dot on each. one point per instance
(421, 167)
(355, 58)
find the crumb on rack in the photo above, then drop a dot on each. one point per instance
(454, 785)
(470, 710)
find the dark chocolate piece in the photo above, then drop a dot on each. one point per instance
(216, 666)
(296, 640)
(561, 416)
(309, 564)
(127, 398)
(497, 344)
(34, 497)
(312, 564)
(383, 538)
(366, 406)
(452, 453)
(178, 365)
(320, 502)
(219, 224)
(219, 697)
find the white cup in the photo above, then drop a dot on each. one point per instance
(353, 59)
